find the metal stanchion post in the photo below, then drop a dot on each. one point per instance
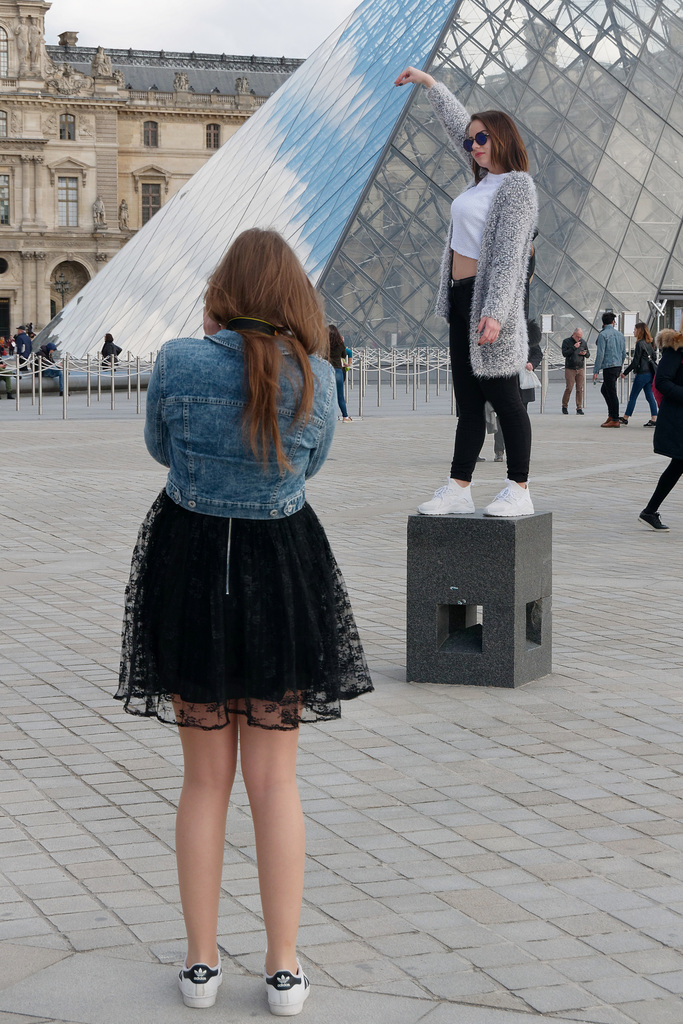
(87, 366)
(414, 381)
(360, 383)
(65, 386)
(427, 370)
(138, 385)
(17, 383)
(544, 373)
(438, 372)
(129, 381)
(113, 381)
(379, 378)
(33, 379)
(40, 385)
(407, 369)
(99, 376)
(393, 373)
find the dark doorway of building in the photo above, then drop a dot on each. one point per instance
(4, 318)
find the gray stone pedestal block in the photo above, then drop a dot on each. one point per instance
(478, 601)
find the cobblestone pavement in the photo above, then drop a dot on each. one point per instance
(475, 855)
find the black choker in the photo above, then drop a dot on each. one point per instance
(247, 323)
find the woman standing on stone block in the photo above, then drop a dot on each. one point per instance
(237, 622)
(482, 291)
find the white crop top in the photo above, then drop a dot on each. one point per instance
(469, 212)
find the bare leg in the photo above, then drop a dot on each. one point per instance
(268, 760)
(210, 762)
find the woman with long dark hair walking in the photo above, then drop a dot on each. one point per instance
(668, 436)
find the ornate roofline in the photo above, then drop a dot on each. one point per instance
(173, 59)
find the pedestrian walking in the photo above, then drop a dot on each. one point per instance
(481, 295)
(237, 623)
(609, 357)
(668, 435)
(644, 365)
(339, 359)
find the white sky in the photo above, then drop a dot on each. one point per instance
(268, 28)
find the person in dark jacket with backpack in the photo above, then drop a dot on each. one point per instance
(668, 437)
(644, 364)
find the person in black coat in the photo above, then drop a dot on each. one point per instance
(668, 436)
(644, 363)
(110, 351)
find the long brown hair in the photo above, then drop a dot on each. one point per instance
(260, 277)
(507, 149)
(645, 336)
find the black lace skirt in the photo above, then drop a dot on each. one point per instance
(237, 616)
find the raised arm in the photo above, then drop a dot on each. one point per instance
(450, 112)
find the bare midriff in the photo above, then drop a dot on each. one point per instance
(462, 267)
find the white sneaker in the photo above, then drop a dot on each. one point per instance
(287, 992)
(513, 500)
(199, 984)
(451, 499)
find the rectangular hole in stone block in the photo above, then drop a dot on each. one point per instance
(459, 627)
(534, 623)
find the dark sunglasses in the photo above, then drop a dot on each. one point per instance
(481, 138)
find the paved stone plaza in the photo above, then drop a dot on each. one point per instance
(475, 856)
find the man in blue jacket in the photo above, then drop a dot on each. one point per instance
(23, 343)
(610, 355)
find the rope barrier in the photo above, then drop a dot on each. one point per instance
(421, 369)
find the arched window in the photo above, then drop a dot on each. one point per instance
(67, 127)
(4, 53)
(213, 136)
(3, 124)
(151, 133)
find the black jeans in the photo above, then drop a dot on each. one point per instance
(667, 481)
(472, 393)
(610, 376)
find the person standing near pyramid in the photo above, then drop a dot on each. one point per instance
(481, 295)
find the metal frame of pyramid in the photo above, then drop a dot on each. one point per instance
(358, 175)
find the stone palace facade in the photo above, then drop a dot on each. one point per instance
(93, 142)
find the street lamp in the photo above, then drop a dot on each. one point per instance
(61, 286)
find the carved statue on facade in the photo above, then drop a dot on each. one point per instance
(50, 125)
(35, 42)
(98, 212)
(67, 81)
(123, 216)
(242, 86)
(101, 65)
(181, 82)
(21, 32)
(119, 79)
(15, 123)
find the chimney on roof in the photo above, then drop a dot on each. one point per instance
(68, 39)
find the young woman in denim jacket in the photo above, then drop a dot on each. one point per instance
(481, 295)
(237, 622)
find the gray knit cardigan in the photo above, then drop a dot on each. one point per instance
(501, 272)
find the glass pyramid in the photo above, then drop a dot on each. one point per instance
(358, 175)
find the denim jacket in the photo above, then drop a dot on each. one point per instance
(194, 425)
(610, 349)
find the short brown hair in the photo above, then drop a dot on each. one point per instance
(260, 277)
(507, 148)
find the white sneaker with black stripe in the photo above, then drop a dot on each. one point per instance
(287, 992)
(199, 984)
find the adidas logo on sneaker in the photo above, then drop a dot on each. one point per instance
(287, 992)
(199, 984)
